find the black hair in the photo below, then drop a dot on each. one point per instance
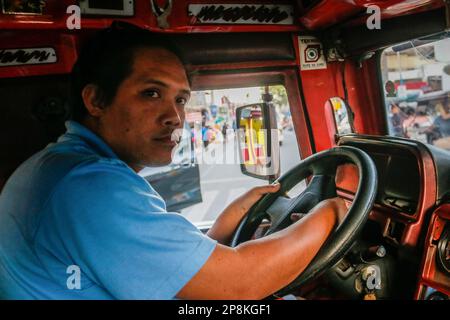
(106, 60)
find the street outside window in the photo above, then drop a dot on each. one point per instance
(416, 78)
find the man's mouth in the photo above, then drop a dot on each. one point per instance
(168, 140)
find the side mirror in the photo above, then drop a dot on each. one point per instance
(258, 141)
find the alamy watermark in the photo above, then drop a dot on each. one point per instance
(74, 20)
(373, 22)
(73, 281)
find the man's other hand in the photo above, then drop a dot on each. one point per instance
(248, 199)
(228, 220)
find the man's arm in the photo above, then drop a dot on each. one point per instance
(258, 268)
(228, 220)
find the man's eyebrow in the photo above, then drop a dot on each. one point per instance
(165, 85)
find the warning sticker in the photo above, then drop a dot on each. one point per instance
(311, 53)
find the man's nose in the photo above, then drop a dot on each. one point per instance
(173, 116)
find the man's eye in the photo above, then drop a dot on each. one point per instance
(182, 101)
(151, 93)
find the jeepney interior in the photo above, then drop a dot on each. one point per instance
(340, 95)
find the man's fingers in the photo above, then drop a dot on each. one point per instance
(252, 196)
(271, 188)
(297, 216)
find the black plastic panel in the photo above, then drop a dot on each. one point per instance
(399, 182)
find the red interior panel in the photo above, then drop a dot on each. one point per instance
(431, 274)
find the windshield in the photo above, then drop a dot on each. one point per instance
(416, 78)
(206, 177)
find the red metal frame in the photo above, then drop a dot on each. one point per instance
(179, 21)
(364, 97)
(65, 45)
(330, 12)
(431, 275)
(324, 14)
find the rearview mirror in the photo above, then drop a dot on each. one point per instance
(258, 141)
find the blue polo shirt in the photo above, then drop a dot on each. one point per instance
(77, 223)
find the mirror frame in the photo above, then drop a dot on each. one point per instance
(270, 123)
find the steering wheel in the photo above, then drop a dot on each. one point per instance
(278, 207)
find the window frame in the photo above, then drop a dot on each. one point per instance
(282, 75)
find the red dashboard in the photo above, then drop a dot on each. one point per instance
(412, 206)
(434, 279)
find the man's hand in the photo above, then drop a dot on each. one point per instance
(227, 222)
(242, 204)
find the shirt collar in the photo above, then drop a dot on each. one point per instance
(78, 131)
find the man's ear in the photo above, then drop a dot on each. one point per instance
(91, 101)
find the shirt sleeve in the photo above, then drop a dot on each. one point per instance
(114, 226)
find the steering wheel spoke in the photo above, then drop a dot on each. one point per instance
(321, 187)
(279, 213)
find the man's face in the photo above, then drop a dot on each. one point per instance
(148, 107)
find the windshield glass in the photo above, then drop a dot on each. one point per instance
(416, 79)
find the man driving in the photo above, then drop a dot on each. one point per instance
(78, 222)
